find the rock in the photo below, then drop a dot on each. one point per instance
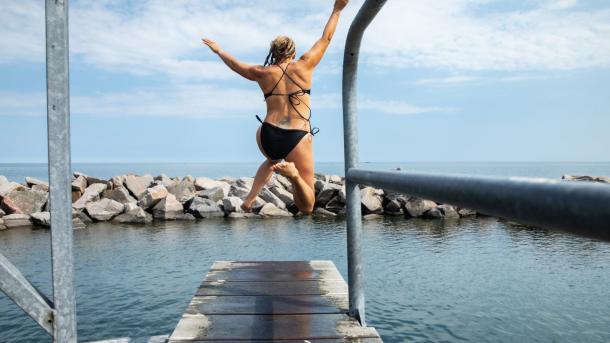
(82, 216)
(41, 218)
(169, 208)
(258, 204)
(449, 211)
(91, 180)
(245, 182)
(80, 184)
(433, 213)
(138, 185)
(130, 206)
(117, 181)
(185, 216)
(335, 204)
(416, 207)
(24, 200)
(465, 212)
(78, 224)
(327, 192)
(602, 179)
(35, 182)
(372, 216)
(40, 188)
(202, 183)
(134, 216)
(16, 220)
(322, 212)
(8, 187)
(92, 193)
(393, 207)
(2, 213)
(335, 179)
(152, 196)
(238, 191)
(232, 204)
(214, 194)
(2, 226)
(121, 194)
(371, 202)
(227, 179)
(285, 182)
(319, 184)
(205, 208)
(271, 210)
(104, 209)
(269, 197)
(238, 215)
(284, 195)
(183, 190)
(76, 195)
(342, 194)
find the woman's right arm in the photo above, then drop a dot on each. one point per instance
(314, 55)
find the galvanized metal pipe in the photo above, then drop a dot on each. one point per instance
(21, 291)
(350, 140)
(60, 180)
(579, 207)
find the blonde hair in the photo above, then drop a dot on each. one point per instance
(281, 47)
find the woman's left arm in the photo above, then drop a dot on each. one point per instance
(249, 71)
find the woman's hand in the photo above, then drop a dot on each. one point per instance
(211, 44)
(340, 4)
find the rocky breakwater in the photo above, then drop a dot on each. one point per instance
(140, 199)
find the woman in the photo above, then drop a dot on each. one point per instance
(286, 133)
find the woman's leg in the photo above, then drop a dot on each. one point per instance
(299, 169)
(263, 174)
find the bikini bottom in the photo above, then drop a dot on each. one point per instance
(278, 142)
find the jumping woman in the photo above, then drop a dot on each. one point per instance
(285, 135)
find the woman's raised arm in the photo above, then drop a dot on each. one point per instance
(249, 71)
(314, 55)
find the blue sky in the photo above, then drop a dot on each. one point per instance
(455, 80)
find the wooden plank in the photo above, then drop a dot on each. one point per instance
(269, 327)
(254, 274)
(292, 304)
(275, 265)
(307, 287)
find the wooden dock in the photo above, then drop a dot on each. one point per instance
(291, 301)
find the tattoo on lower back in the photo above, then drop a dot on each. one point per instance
(285, 120)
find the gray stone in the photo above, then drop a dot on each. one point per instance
(271, 210)
(185, 216)
(152, 196)
(601, 179)
(104, 209)
(241, 215)
(322, 212)
(342, 194)
(232, 204)
(183, 190)
(227, 179)
(205, 208)
(2, 213)
(82, 216)
(245, 182)
(78, 224)
(40, 188)
(41, 218)
(372, 216)
(169, 208)
(285, 182)
(130, 206)
(371, 202)
(189, 178)
(92, 180)
(284, 195)
(16, 220)
(24, 200)
(138, 185)
(117, 181)
(120, 194)
(319, 184)
(328, 191)
(465, 212)
(2, 226)
(433, 213)
(416, 207)
(269, 197)
(335, 204)
(393, 207)
(238, 191)
(8, 187)
(449, 211)
(134, 216)
(33, 182)
(92, 193)
(79, 184)
(335, 179)
(214, 194)
(258, 204)
(202, 183)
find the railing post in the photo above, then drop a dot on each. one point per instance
(60, 181)
(350, 141)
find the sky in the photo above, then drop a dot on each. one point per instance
(445, 80)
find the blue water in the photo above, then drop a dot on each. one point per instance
(479, 280)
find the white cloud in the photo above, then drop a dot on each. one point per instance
(455, 80)
(397, 107)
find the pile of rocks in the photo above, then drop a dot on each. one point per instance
(141, 199)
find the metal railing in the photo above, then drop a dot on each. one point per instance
(581, 208)
(57, 317)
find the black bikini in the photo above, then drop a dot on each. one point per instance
(278, 142)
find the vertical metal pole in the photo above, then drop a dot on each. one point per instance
(350, 140)
(58, 122)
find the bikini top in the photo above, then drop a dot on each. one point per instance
(293, 98)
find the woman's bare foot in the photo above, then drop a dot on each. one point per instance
(287, 169)
(246, 206)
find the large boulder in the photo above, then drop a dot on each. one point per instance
(24, 200)
(239, 191)
(134, 216)
(78, 224)
(449, 211)
(214, 194)
(79, 184)
(269, 197)
(270, 210)
(285, 196)
(2, 226)
(8, 187)
(183, 190)
(41, 218)
(202, 183)
(335, 204)
(104, 209)
(328, 191)
(80, 214)
(416, 207)
(371, 201)
(92, 193)
(169, 208)
(205, 208)
(152, 196)
(466, 212)
(335, 179)
(16, 220)
(91, 180)
(41, 185)
(433, 213)
(137, 185)
(117, 181)
(121, 194)
(285, 182)
(602, 179)
(232, 204)
(245, 182)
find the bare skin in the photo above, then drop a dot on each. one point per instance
(298, 166)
